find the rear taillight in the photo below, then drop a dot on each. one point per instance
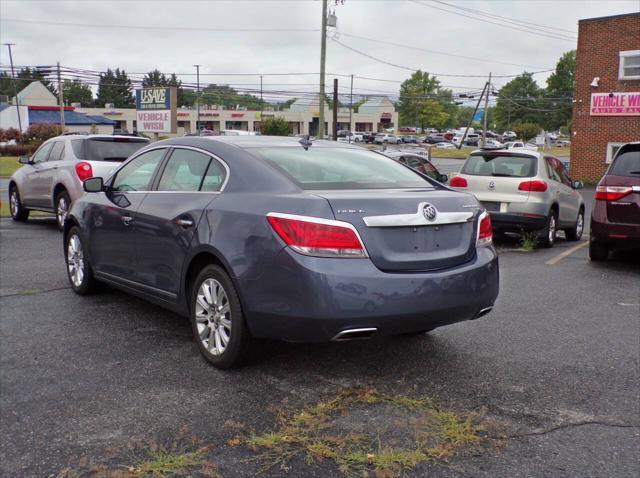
(83, 170)
(485, 231)
(533, 186)
(317, 237)
(612, 193)
(458, 182)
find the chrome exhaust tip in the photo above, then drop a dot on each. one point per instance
(483, 312)
(355, 334)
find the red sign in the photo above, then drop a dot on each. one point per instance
(237, 115)
(386, 116)
(615, 104)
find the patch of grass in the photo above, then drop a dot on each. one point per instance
(528, 241)
(408, 431)
(162, 462)
(8, 164)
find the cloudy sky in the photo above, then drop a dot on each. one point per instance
(269, 37)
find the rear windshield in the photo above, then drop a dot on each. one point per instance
(627, 164)
(107, 149)
(336, 168)
(509, 166)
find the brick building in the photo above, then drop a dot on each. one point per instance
(606, 108)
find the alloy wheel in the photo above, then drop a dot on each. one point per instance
(13, 203)
(75, 260)
(552, 229)
(213, 316)
(62, 210)
(580, 225)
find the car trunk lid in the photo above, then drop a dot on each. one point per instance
(398, 235)
(625, 173)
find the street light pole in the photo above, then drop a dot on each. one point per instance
(486, 111)
(15, 90)
(198, 98)
(61, 100)
(350, 108)
(261, 105)
(323, 55)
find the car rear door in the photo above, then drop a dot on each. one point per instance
(113, 216)
(570, 199)
(561, 192)
(168, 216)
(49, 173)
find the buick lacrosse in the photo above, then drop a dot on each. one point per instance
(283, 238)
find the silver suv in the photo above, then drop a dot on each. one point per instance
(524, 191)
(51, 179)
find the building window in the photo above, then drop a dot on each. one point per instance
(629, 65)
(612, 149)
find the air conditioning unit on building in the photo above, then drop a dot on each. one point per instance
(109, 106)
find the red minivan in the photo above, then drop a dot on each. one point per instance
(615, 219)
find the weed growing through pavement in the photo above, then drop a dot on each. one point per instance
(528, 241)
(364, 431)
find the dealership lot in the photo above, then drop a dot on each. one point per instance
(86, 379)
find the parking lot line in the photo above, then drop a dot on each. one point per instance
(566, 253)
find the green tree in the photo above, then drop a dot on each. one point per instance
(422, 102)
(226, 96)
(559, 93)
(526, 131)
(275, 127)
(24, 77)
(518, 102)
(77, 92)
(114, 87)
(154, 78)
(287, 104)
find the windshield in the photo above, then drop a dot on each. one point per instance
(337, 168)
(111, 149)
(511, 166)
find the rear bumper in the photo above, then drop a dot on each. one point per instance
(517, 222)
(306, 299)
(603, 231)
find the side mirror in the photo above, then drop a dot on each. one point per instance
(578, 185)
(93, 185)
(24, 159)
(444, 178)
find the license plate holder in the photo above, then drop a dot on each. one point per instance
(491, 206)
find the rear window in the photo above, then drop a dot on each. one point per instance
(335, 168)
(107, 149)
(511, 166)
(627, 163)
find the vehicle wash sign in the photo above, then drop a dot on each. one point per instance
(156, 110)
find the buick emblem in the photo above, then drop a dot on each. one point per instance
(492, 185)
(430, 212)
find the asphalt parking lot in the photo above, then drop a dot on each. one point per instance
(88, 382)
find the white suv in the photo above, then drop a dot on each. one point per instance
(52, 177)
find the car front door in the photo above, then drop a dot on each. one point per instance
(33, 189)
(112, 241)
(168, 216)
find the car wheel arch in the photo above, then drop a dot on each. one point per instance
(58, 188)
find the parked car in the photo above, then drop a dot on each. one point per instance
(615, 218)
(419, 163)
(255, 237)
(509, 134)
(355, 137)
(387, 138)
(524, 191)
(409, 139)
(51, 179)
(519, 145)
(369, 136)
(434, 138)
(493, 143)
(445, 145)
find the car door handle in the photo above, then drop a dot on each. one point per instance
(184, 223)
(127, 220)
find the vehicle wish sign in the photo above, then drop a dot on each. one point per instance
(615, 104)
(156, 110)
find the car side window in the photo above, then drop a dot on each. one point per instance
(184, 171)
(413, 162)
(57, 151)
(553, 174)
(137, 174)
(431, 171)
(215, 177)
(42, 154)
(562, 171)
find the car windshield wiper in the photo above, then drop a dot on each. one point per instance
(502, 175)
(634, 172)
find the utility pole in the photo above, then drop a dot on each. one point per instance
(350, 108)
(261, 105)
(61, 99)
(198, 98)
(323, 55)
(335, 109)
(15, 90)
(486, 113)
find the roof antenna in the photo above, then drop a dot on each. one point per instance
(305, 142)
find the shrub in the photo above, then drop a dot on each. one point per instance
(526, 131)
(275, 127)
(39, 133)
(16, 150)
(9, 134)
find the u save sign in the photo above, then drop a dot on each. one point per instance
(615, 104)
(156, 110)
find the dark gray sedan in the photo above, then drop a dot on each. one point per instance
(266, 237)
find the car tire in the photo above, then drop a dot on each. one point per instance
(79, 270)
(598, 251)
(217, 317)
(547, 237)
(62, 205)
(575, 233)
(17, 210)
